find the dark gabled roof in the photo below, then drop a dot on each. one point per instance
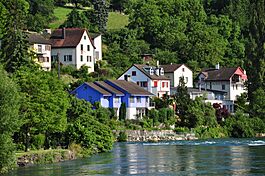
(71, 39)
(109, 88)
(99, 89)
(35, 38)
(170, 67)
(154, 76)
(130, 87)
(222, 74)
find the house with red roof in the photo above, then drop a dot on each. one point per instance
(74, 46)
(151, 78)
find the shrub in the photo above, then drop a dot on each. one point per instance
(122, 137)
(38, 141)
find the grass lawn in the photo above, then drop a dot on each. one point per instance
(115, 21)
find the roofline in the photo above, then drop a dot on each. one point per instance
(108, 89)
(177, 68)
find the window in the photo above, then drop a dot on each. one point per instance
(236, 87)
(223, 87)
(67, 58)
(82, 47)
(97, 54)
(155, 83)
(89, 59)
(138, 99)
(163, 84)
(88, 48)
(43, 59)
(210, 85)
(47, 47)
(81, 58)
(84, 37)
(133, 73)
(186, 79)
(166, 84)
(131, 99)
(183, 69)
(143, 84)
(39, 48)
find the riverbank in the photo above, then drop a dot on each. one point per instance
(44, 157)
(153, 135)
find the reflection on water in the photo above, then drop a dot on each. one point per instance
(212, 157)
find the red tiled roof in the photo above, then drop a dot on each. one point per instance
(71, 39)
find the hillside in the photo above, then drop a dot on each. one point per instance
(116, 20)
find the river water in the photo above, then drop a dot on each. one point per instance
(199, 157)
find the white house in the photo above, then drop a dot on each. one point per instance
(151, 78)
(73, 46)
(176, 71)
(97, 40)
(225, 83)
(42, 48)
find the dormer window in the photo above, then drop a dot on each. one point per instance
(161, 71)
(151, 71)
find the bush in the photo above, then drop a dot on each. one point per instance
(38, 141)
(182, 130)
(211, 132)
(122, 137)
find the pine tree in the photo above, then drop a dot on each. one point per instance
(256, 50)
(14, 46)
(101, 8)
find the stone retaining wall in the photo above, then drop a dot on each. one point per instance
(155, 135)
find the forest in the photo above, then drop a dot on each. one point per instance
(36, 110)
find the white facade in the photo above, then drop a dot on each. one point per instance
(98, 48)
(233, 89)
(43, 52)
(175, 76)
(82, 54)
(155, 86)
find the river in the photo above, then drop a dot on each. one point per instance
(199, 157)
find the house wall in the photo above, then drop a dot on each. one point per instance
(228, 104)
(236, 89)
(171, 77)
(98, 45)
(185, 72)
(45, 52)
(89, 94)
(85, 41)
(63, 52)
(141, 77)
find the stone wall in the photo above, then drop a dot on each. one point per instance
(155, 135)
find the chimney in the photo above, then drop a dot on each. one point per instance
(157, 63)
(127, 77)
(217, 66)
(63, 33)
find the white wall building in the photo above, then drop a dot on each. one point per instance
(151, 78)
(226, 83)
(176, 71)
(42, 48)
(74, 47)
(97, 39)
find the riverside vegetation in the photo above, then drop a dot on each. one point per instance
(37, 112)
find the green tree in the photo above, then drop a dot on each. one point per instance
(255, 50)
(183, 101)
(9, 120)
(122, 112)
(44, 104)
(40, 14)
(84, 3)
(75, 19)
(101, 14)
(14, 47)
(258, 109)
